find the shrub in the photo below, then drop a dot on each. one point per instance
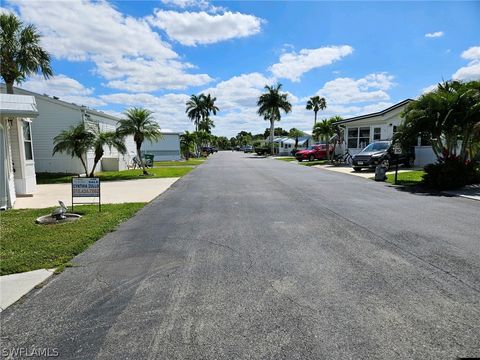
(450, 173)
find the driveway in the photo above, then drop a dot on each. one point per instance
(252, 258)
(113, 192)
(364, 173)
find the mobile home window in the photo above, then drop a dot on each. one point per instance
(377, 134)
(364, 136)
(27, 140)
(352, 138)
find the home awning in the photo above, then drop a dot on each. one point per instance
(18, 106)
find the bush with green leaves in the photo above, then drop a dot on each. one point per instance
(451, 172)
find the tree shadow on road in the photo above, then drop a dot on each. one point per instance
(419, 190)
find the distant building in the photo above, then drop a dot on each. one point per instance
(167, 148)
(17, 160)
(284, 145)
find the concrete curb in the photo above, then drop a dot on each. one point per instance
(15, 286)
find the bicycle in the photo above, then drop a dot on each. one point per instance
(346, 158)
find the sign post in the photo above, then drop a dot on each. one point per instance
(86, 188)
(397, 150)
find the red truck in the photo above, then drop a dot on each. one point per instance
(314, 152)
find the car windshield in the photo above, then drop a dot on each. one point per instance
(376, 147)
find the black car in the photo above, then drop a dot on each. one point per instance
(381, 152)
(209, 150)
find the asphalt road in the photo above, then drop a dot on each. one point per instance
(251, 258)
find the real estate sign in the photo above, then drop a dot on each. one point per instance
(86, 188)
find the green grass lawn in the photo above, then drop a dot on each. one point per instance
(407, 178)
(132, 174)
(28, 246)
(315, 162)
(188, 162)
(286, 158)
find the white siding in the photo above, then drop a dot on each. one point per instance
(168, 148)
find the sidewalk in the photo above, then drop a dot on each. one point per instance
(365, 173)
(469, 192)
(113, 192)
(14, 286)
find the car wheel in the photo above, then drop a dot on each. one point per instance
(311, 158)
(357, 169)
(299, 160)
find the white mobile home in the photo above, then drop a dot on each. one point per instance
(167, 148)
(365, 129)
(55, 115)
(17, 164)
(285, 145)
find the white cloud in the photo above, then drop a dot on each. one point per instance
(435, 34)
(96, 31)
(64, 87)
(201, 4)
(472, 53)
(192, 28)
(293, 65)
(168, 110)
(429, 88)
(367, 89)
(142, 74)
(472, 70)
(239, 91)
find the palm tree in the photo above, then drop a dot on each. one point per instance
(316, 103)
(187, 140)
(270, 104)
(209, 104)
(107, 138)
(206, 124)
(324, 130)
(20, 52)
(142, 126)
(76, 141)
(195, 109)
(295, 133)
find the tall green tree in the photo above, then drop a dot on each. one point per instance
(447, 117)
(20, 52)
(316, 103)
(324, 130)
(195, 109)
(270, 104)
(187, 142)
(278, 131)
(295, 133)
(140, 124)
(223, 143)
(112, 139)
(75, 141)
(206, 124)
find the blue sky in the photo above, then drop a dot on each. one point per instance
(361, 56)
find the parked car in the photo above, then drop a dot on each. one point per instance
(381, 152)
(314, 152)
(209, 150)
(264, 149)
(248, 149)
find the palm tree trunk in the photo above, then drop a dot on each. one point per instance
(84, 164)
(139, 155)
(315, 121)
(9, 86)
(95, 162)
(272, 133)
